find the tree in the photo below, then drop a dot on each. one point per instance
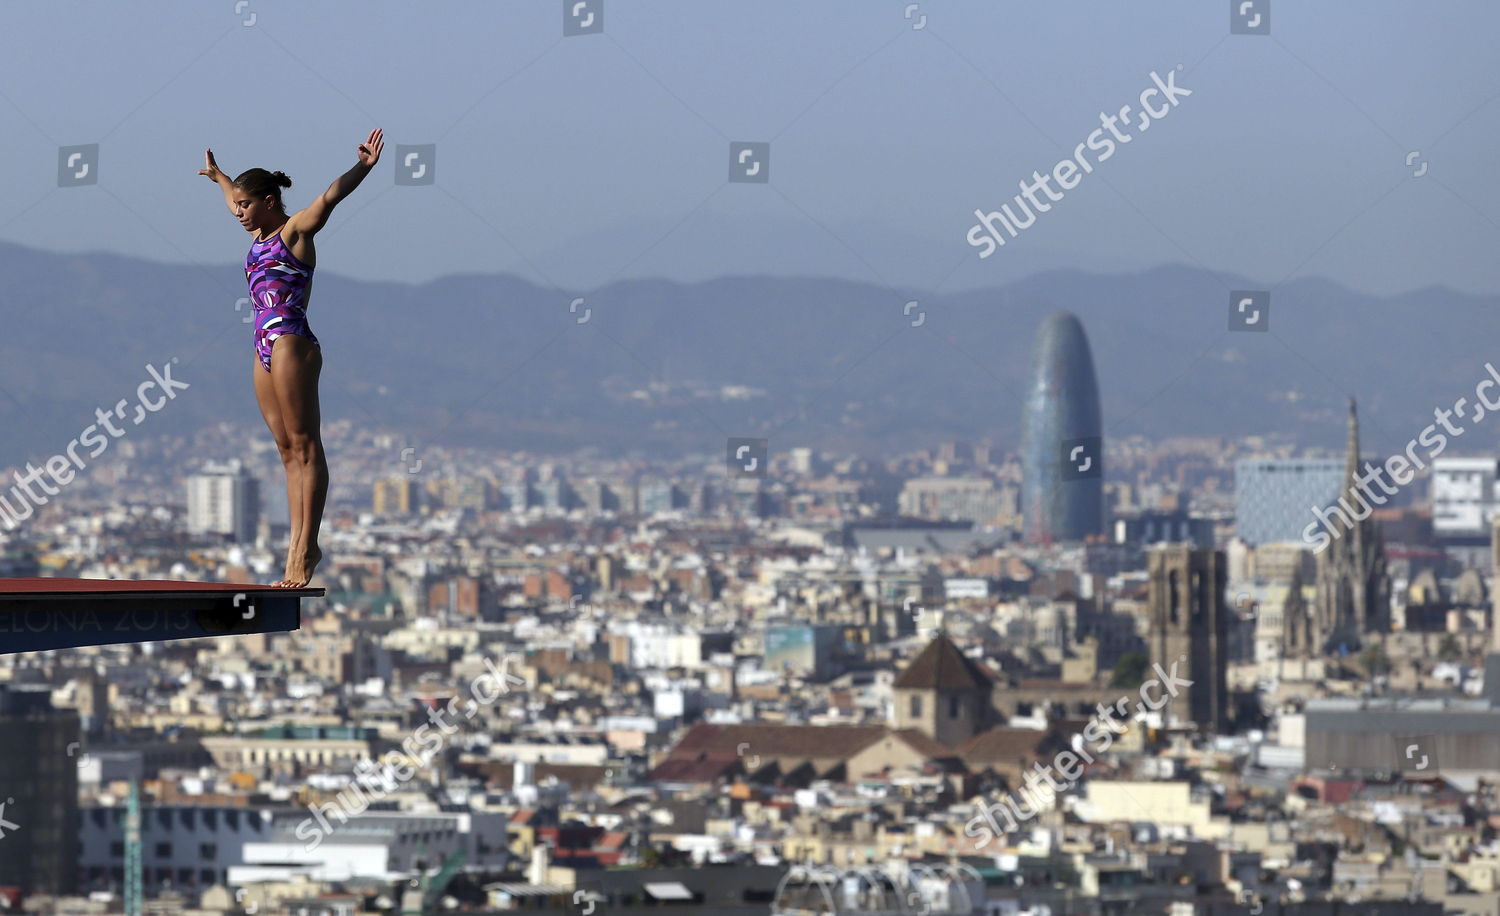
(1448, 648)
(1129, 671)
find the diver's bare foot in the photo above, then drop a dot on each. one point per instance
(299, 568)
(285, 579)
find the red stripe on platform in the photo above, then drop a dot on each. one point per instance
(43, 585)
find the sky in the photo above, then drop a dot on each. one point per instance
(1354, 141)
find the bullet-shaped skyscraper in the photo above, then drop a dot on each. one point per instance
(1062, 453)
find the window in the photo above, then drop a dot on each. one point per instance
(953, 704)
(164, 850)
(209, 851)
(916, 705)
(117, 849)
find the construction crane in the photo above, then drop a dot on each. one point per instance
(423, 893)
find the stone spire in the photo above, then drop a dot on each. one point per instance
(1351, 474)
(1353, 587)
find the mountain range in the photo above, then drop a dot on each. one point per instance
(665, 368)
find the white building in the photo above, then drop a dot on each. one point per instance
(659, 646)
(224, 499)
(1464, 497)
(975, 499)
(385, 844)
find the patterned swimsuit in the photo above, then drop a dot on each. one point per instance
(279, 286)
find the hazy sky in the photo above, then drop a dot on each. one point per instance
(574, 160)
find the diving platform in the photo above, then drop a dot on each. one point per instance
(46, 613)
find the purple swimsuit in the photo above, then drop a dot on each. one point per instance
(279, 286)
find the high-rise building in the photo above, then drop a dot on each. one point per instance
(702, 497)
(516, 495)
(1062, 438)
(462, 493)
(39, 789)
(397, 496)
(1274, 498)
(654, 494)
(597, 496)
(554, 495)
(801, 460)
(1190, 632)
(224, 499)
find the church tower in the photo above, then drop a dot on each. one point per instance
(1297, 638)
(1190, 627)
(1354, 590)
(945, 694)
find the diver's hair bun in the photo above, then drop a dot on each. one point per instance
(260, 183)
